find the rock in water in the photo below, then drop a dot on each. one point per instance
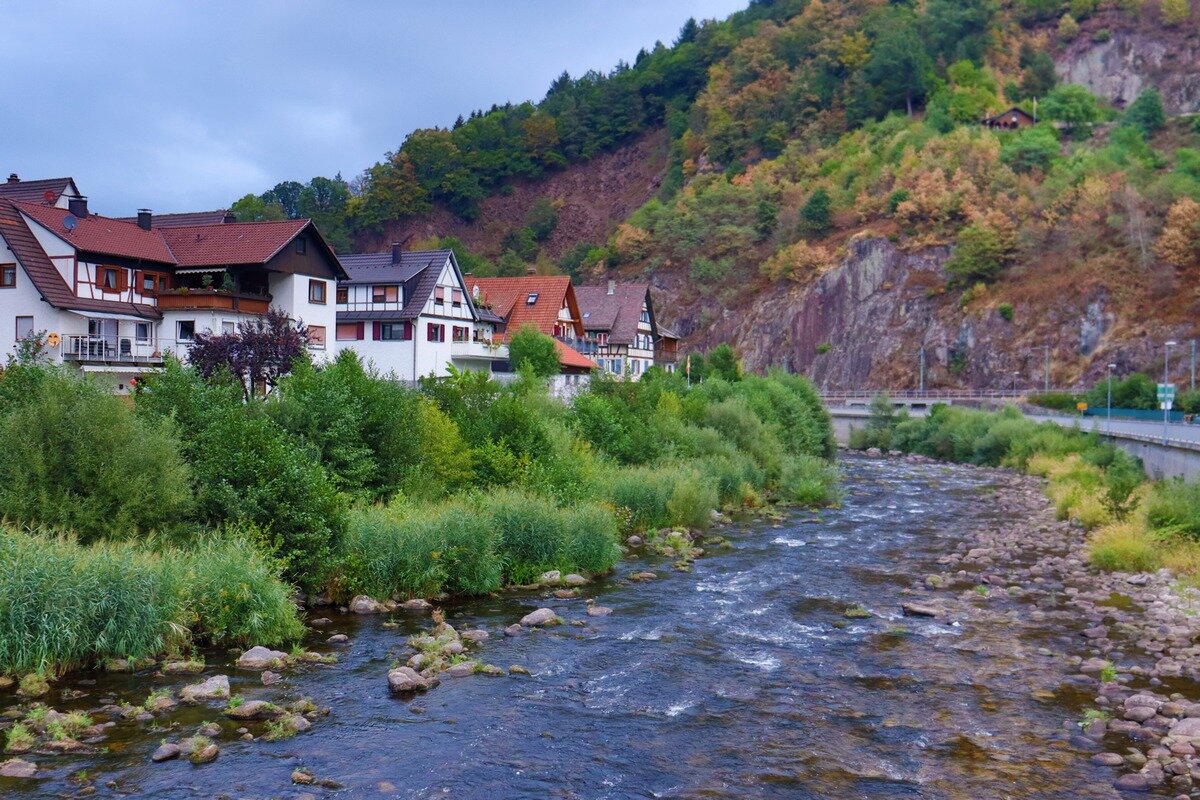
(553, 576)
(365, 605)
(575, 579)
(17, 768)
(165, 752)
(205, 754)
(918, 610)
(215, 688)
(540, 618)
(270, 678)
(416, 604)
(259, 657)
(406, 679)
(254, 709)
(462, 669)
(598, 611)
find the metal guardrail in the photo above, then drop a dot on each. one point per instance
(930, 394)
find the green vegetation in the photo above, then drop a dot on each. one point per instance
(1135, 525)
(531, 349)
(346, 482)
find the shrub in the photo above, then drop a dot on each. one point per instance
(1124, 546)
(75, 457)
(808, 481)
(1146, 113)
(1057, 401)
(530, 536)
(1005, 310)
(590, 539)
(1173, 508)
(531, 347)
(692, 501)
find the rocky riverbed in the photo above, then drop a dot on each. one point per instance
(938, 636)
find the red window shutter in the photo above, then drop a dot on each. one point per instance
(375, 330)
(408, 330)
(359, 332)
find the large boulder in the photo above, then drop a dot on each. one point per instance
(366, 605)
(165, 752)
(17, 768)
(261, 658)
(254, 709)
(215, 688)
(540, 618)
(406, 679)
(1187, 728)
(574, 579)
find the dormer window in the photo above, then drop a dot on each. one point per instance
(302, 246)
(110, 279)
(533, 296)
(385, 294)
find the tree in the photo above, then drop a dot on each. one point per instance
(510, 265)
(1038, 76)
(1033, 148)
(722, 362)
(815, 215)
(979, 255)
(541, 219)
(1179, 242)
(1146, 113)
(1175, 12)
(531, 347)
(957, 29)
(287, 195)
(257, 354)
(253, 208)
(1073, 105)
(899, 67)
(1068, 28)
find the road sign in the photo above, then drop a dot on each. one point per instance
(1166, 392)
(1081, 407)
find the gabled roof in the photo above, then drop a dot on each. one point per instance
(45, 277)
(509, 298)
(417, 271)
(232, 243)
(571, 358)
(184, 218)
(616, 314)
(35, 191)
(96, 234)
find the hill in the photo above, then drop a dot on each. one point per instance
(811, 181)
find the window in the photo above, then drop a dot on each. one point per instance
(439, 294)
(24, 328)
(349, 331)
(316, 292)
(8, 276)
(531, 299)
(343, 295)
(302, 246)
(456, 296)
(228, 327)
(385, 294)
(436, 333)
(637, 366)
(141, 331)
(600, 364)
(150, 282)
(185, 330)
(316, 337)
(462, 333)
(602, 339)
(393, 331)
(111, 279)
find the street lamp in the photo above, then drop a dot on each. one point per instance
(1166, 370)
(1111, 367)
(1014, 388)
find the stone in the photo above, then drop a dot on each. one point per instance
(321, 622)
(165, 752)
(461, 670)
(215, 688)
(416, 604)
(362, 604)
(634, 541)
(454, 648)
(210, 730)
(6, 682)
(17, 768)
(598, 611)
(540, 618)
(1186, 728)
(183, 668)
(643, 576)
(297, 723)
(205, 754)
(254, 709)
(1147, 700)
(474, 635)
(1132, 782)
(553, 576)
(303, 777)
(406, 679)
(261, 658)
(513, 630)
(491, 670)
(270, 678)
(1139, 713)
(919, 610)
(338, 638)
(1108, 759)
(517, 669)
(574, 579)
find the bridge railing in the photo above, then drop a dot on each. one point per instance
(929, 394)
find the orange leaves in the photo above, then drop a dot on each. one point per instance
(1179, 242)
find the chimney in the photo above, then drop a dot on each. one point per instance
(531, 270)
(228, 218)
(12, 178)
(396, 252)
(145, 218)
(612, 288)
(77, 205)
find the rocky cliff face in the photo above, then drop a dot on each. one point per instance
(1133, 60)
(864, 323)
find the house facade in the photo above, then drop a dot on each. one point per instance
(621, 331)
(409, 313)
(548, 303)
(115, 296)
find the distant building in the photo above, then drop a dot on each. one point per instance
(409, 313)
(116, 295)
(622, 331)
(1011, 119)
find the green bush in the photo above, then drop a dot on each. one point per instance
(692, 501)
(1057, 401)
(74, 456)
(590, 539)
(809, 481)
(531, 539)
(1173, 508)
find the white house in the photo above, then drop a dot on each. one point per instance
(409, 313)
(114, 295)
(623, 331)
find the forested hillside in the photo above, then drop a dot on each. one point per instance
(806, 155)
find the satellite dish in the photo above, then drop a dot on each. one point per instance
(69, 222)
(49, 196)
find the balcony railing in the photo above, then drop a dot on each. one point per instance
(114, 349)
(589, 347)
(478, 349)
(663, 359)
(216, 299)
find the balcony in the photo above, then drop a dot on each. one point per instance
(662, 359)
(218, 299)
(478, 350)
(95, 349)
(588, 347)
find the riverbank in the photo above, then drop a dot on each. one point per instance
(785, 661)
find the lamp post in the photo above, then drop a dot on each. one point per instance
(1014, 386)
(921, 356)
(1111, 367)
(1166, 371)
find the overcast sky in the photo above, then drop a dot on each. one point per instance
(187, 106)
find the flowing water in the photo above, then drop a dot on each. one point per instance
(740, 679)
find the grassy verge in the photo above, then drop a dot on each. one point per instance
(1134, 524)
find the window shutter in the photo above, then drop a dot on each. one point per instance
(359, 332)
(375, 330)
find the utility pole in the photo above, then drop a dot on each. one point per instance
(921, 354)
(1166, 371)
(1193, 365)
(1047, 389)
(1111, 367)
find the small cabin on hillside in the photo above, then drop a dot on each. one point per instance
(1010, 120)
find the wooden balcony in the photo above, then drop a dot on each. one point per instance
(215, 299)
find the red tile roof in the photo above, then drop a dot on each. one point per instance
(570, 357)
(509, 297)
(104, 235)
(231, 243)
(183, 218)
(35, 191)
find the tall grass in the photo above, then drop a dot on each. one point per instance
(63, 604)
(1174, 507)
(809, 481)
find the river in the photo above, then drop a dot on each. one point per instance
(742, 678)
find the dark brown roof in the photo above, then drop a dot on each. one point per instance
(418, 272)
(616, 314)
(183, 218)
(46, 278)
(35, 191)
